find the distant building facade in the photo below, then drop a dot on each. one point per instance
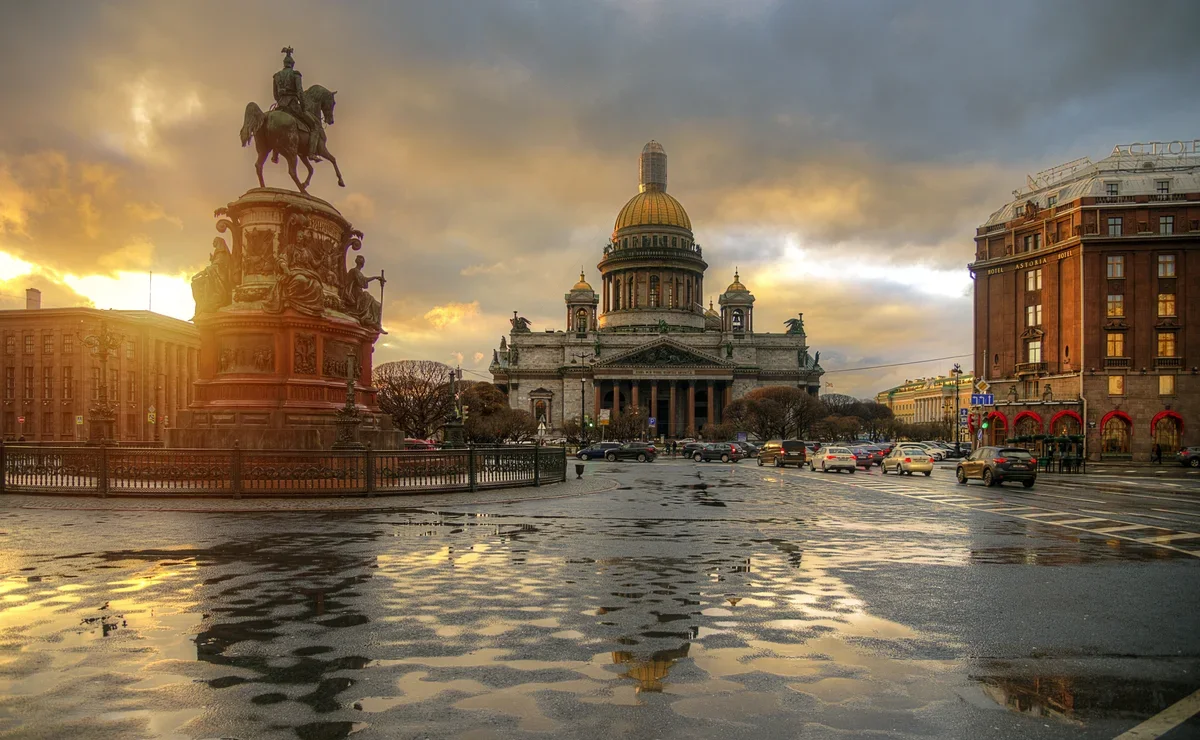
(644, 340)
(928, 400)
(50, 377)
(1087, 317)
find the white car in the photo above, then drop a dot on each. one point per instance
(833, 458)
(907, 458)
(934, 450)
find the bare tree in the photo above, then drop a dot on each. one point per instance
(416, 394)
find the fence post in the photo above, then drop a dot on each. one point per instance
(3, 468)
(235, 468)
(537, 463)
(472, 481)
(369, 469)
(103, 476)
(564, 465)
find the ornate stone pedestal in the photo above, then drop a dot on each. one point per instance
(281, 320)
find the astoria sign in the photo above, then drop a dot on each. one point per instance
(1155, 148)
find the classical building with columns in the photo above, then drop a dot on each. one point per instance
(645, 340)
(50, 376)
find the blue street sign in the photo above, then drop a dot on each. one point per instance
(963, 412)
(652, 421)
(983, 399)
(742, 436)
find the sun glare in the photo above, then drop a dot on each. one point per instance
(168, 294)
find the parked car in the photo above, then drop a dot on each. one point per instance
(865, 457)
(995, 465)
(748, 449)
(419, 444)
(689, 449)
(723, 451)
(1189, 456)
(834, 458)
(907, 459)
(596, 451)
(782, 453)
(640, 451)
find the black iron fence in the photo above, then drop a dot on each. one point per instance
(148, 471)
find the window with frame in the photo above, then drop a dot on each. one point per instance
(1162, 187)
(129, 350)
(47, 344)
(1166, 344)
(28, 343)
(1166, 265)
(1115, 345)
(1033, 279)
(10, 344)
(28, 384)
(133, 376)
(47, 383)
(1028, 242)
(68, 382)
(1034, 351)
(95, 384)
(1020, 210)
(1037, 241)
(1166, 224)
(1116, 385)
(1116, 265)
(1051, 201)
(1166, 385)
(1112, 188)
(68, 344)
(1114, 225)
(654, 291)
(1166, 304)
(114, 385)
(10, 382)
(1033, 315)
(1116, 305)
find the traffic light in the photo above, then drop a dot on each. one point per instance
(465, 411)
(985, 423)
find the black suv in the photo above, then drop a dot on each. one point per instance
(640, 451)
(995, 465)
(723, 451)
(1189, 456)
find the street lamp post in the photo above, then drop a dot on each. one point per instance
(956, 371)
(102, 415)
(579, 357)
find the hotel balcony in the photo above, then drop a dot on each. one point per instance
(1117, 363)
(1164, 363)
(1032, 368)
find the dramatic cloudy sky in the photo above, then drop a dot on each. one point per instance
(840, 153)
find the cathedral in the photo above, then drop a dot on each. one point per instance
(644, 341)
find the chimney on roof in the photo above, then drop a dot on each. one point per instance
(33, 299)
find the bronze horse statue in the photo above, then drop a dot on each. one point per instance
(278, 132)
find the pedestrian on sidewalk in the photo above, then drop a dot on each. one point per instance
(672, 448)
(1156, 455)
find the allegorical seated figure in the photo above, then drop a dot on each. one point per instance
(300, 287)
(212, 287)
(359, 303)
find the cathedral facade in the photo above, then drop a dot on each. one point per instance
(644, 340)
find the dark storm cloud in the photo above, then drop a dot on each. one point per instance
(488, 145)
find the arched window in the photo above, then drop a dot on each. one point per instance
(1114, 438)
(645, 241)
(689, 294)
(616, 295)
(670, 294)
(1027, 426)
(633, 292)
(1066, 425)
(581, 320)
(1167, 434)
(998, 430)
(739, 320)
(674, 241)
(654, 291)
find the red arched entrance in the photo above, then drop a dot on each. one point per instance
(997, 430)
(1116, 434)
(1166, 429)
(1065, 423)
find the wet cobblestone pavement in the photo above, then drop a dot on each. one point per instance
(694, 601)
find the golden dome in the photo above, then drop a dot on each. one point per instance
(710, 311)
(582, 284)
(653, 208)
(736, 286)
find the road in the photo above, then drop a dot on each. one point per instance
(690, 601)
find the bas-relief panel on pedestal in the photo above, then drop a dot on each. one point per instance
(304, 356)
(334, 365)
(252, 353)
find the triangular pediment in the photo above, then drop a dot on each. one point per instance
(1033, 333)
(664, 353)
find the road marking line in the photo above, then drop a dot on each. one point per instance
(1165, 721)
(1169, 537)
(1125, 528)
(1049, 513)
(1085, 520)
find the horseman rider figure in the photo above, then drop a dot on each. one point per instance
(288, 89)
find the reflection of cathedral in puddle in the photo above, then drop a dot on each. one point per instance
(649, 673)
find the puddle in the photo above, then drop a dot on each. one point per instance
(1077, 700)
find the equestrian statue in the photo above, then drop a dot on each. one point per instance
(293, 126)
